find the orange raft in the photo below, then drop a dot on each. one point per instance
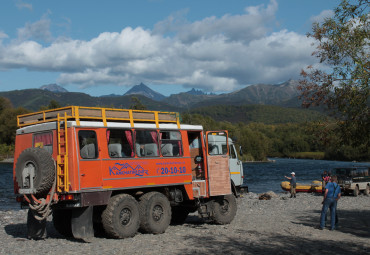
(315, 186)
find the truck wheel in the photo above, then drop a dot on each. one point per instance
(179, 215)
(356, 192)
(367, 190)
(121, 217)
(62, 222)
(155, 213)
(41, 164)
(224, 209)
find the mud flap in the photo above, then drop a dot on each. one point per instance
(36, 229)
(82, 222)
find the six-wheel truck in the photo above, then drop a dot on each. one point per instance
(116, 170)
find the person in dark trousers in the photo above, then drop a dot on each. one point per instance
(293, 184)
(331, 197)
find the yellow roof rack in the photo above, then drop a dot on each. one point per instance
(78, 113)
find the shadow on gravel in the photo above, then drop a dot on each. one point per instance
(268, 244)
(352, 222)
(20, 231)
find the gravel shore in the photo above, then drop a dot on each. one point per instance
(278, 226)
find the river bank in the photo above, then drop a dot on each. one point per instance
(277, 226)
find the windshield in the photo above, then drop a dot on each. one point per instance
(353, 172)
(342, 171)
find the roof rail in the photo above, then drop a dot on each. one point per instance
(78, 113)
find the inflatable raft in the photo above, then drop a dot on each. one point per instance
(315, 186)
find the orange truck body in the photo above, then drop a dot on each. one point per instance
(91, 178)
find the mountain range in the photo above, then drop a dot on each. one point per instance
(278, 95)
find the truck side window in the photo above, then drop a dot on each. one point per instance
(146, 143)
(171, 144)
(44, 140)
(217, 144)
(88, 144)
(232, 151)
(120, 143)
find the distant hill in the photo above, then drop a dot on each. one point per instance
(266, 103)
(33, 99)
(279, 94)
(267, 114)
(54, 88)
(144, 90)
(194, 91)
(110, 95)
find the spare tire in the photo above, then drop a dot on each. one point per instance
(40, 162)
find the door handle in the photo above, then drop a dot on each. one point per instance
(82, 174)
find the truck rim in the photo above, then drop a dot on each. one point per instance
(125, 216)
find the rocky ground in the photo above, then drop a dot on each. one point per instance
(277, 226)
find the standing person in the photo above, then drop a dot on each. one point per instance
(293, 184)
(331, 197)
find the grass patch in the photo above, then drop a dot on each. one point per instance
(308, 155)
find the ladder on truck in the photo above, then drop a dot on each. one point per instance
(62, 157)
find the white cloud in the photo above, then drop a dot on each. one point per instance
(23, 5)
(322, 16)
(39, 30)
(215, 54)
(3, 35)
(243, 27)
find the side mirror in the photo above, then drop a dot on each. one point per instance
(240, 151)
(198, 159)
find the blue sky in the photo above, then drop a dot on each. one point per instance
(105, 47)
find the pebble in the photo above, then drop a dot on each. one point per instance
(281, 225)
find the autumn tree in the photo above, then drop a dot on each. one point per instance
(341, 81)
(136, 104)
(53, 104)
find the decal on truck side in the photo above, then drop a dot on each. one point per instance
(126, 169)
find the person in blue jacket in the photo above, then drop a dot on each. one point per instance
(331, 197)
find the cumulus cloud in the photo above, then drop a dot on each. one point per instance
(322, 16)
(214, 54)
(39, 30)
(245, 27)
(23, 5)
(3, 35)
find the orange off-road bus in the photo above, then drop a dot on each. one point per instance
(117, 171)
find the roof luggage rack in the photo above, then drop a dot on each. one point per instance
(79, 113)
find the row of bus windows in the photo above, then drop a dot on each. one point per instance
(125, 143)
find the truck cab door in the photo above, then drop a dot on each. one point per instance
(236, 167)
(218, 163)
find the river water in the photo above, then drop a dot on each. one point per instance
(260, 177)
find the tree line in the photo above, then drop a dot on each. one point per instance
(317, 140)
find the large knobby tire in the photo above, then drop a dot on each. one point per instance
(367, 190)
(179, 215)
(224, 209)
(155, 213)
(121, 217)
(62, 221)
(356, 191)
(40, 161)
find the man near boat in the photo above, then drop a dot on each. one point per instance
(293, 184)
(331, 197)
